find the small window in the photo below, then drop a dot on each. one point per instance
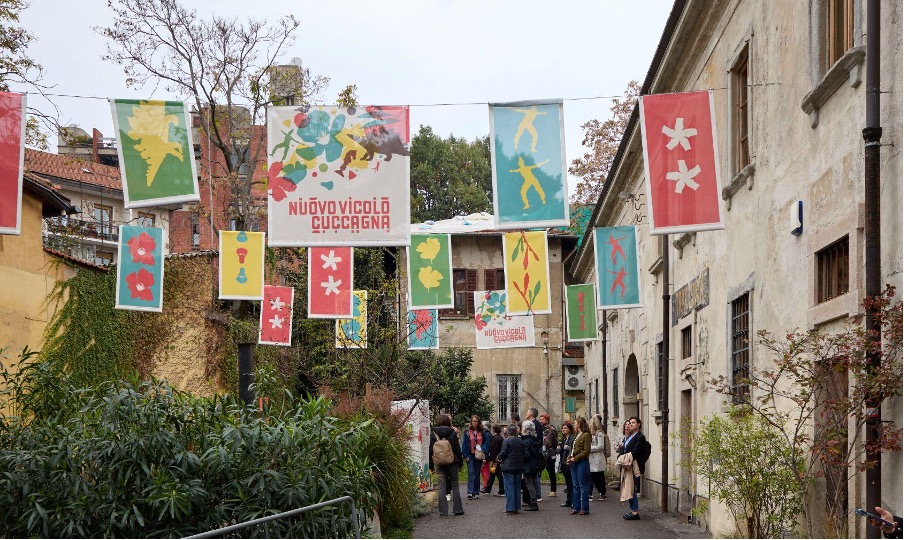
(740, 347)
(508, 400)
(103, 258)
(839, 29)
(103, 219)
(146, 219)
(195, 231)
(494, 279)
(615, 393)
(832, 272)
(741, 110)
(464, 283)
(596, 395)
(686, 342)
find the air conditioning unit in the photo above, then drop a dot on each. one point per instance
(574, 378)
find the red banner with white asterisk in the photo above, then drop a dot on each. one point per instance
(330, 280)
(682, 162)
(276, 316)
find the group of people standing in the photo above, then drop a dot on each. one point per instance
(516, 455)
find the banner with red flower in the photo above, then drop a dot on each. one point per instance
(495, 329)
(276, 316)
(338, 176)
(681, 157)
(12, 154)
(423, 329)
(139, 270)
(330, 282)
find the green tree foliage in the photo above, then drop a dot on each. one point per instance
(446, 381)
(602, 140)
(749, 468)
(450, 176)
(16, 67)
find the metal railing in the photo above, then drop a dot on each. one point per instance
(326, 529)
(101, 230)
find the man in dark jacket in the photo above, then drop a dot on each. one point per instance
(532, 415)
(511, 461)
(636, 445)
(492, 454)
(447, 475)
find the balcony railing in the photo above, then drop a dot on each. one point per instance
(104, 230)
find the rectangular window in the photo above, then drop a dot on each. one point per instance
(596, 395)
(740, 347)
(195, 231)
(615, 392)
(146, 219)
(103, 220)
(464, 283)
(509, 397)
(659, 381)
(741, 132)
(493, 279)
(687, 342)
(840, 30)
(832, 278)
(103, 258)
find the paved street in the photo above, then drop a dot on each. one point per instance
(485, 518)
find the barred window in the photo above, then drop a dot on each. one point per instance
(832, 277)
(740, 347)
(687, 342)
(615, 392)
(508, 402)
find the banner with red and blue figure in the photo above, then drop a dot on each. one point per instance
(617, 267)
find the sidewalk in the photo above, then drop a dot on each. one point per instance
(485, 518)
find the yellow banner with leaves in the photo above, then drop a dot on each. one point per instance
(527, 273)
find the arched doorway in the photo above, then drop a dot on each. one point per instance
(632, 388)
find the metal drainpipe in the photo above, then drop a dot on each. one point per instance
(872, 135)
(603, 329)
(664, 372)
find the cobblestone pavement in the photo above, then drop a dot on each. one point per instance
(485, 518)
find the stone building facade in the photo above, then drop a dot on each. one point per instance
(789, 91)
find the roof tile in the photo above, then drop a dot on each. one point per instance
(72, 168)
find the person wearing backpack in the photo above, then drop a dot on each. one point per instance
(445, 461)
(636, 445)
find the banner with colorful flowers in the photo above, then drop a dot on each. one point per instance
(156, 152)
(330, 282)
(617, 267)
(526, 262)
(352, 333)
(241, 265)
(495, 329)
(139, 270)
(530, 172)
(276, 316)
(580, 312)
(338, 176)
(423, 329)
(12, 154)
(430, 272)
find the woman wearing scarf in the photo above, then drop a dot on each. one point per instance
(474, 445)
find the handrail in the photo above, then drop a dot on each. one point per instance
(239, 526)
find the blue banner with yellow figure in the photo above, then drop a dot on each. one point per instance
(530, 174)
(617, 267)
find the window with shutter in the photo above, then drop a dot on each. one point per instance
(464, 283)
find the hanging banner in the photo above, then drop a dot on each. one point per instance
(526, 262)
(156, 152)
(276, 316)
(681, 159)
(352, 333)
(330, 282)
(580, 312)
(530, 173)
(12, 156)
(423, 329)
(139, 270)
(495, 329)
(617, 267)
(430, 272)
(241, 265)
(338, 176)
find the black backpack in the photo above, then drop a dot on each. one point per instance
(642, 452)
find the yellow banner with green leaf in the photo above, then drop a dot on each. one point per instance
(527, 273)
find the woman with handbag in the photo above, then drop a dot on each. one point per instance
(564, 449)
(495, 470)
(474, 445)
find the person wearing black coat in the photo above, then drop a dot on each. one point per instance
(447, 475)
(492, 454)
(511, 461)
(636, 445)
(532, 460)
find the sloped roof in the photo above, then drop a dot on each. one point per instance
(72, 169)
(76, 260)
(54, 201)
(480, 222)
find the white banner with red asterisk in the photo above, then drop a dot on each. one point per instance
(330, 282)
(139, 268)
(338, 176)
(681, 157)
(276, 316)
(495, 329)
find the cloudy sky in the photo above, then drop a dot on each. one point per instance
(419, 52)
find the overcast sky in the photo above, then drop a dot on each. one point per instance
(444, 52)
